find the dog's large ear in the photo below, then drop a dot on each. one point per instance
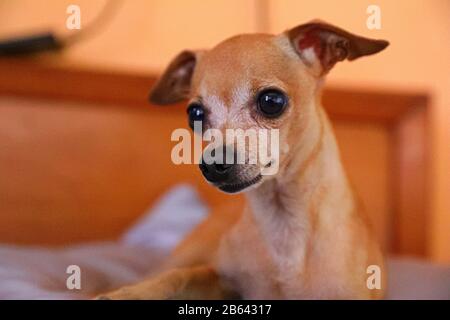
(320, 45)
(174, 85)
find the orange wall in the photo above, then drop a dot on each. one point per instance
(144, 35)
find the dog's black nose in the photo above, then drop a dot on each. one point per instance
(216, 172)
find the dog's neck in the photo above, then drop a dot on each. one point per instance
(312, 189)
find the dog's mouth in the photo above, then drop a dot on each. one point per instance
(236, 187)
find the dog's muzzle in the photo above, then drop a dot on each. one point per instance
(229, 177)
(217, 172)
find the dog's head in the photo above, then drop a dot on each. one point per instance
(253, 82)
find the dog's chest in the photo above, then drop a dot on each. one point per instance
(244, 260)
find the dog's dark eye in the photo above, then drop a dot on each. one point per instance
(196, 112)
(272, 102)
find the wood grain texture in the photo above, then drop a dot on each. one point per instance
(412, 183)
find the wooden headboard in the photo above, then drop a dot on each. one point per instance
(82, 155)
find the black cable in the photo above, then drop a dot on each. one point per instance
(30, 44)
(50, 42)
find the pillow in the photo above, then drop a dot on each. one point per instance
(174, 216)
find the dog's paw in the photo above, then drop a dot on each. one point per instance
(102, 297)
(120, 294)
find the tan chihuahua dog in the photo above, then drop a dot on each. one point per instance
(302, 234)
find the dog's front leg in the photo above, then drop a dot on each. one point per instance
(200, 282)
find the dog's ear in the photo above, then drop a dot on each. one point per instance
(320, 45)
(174, 84)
